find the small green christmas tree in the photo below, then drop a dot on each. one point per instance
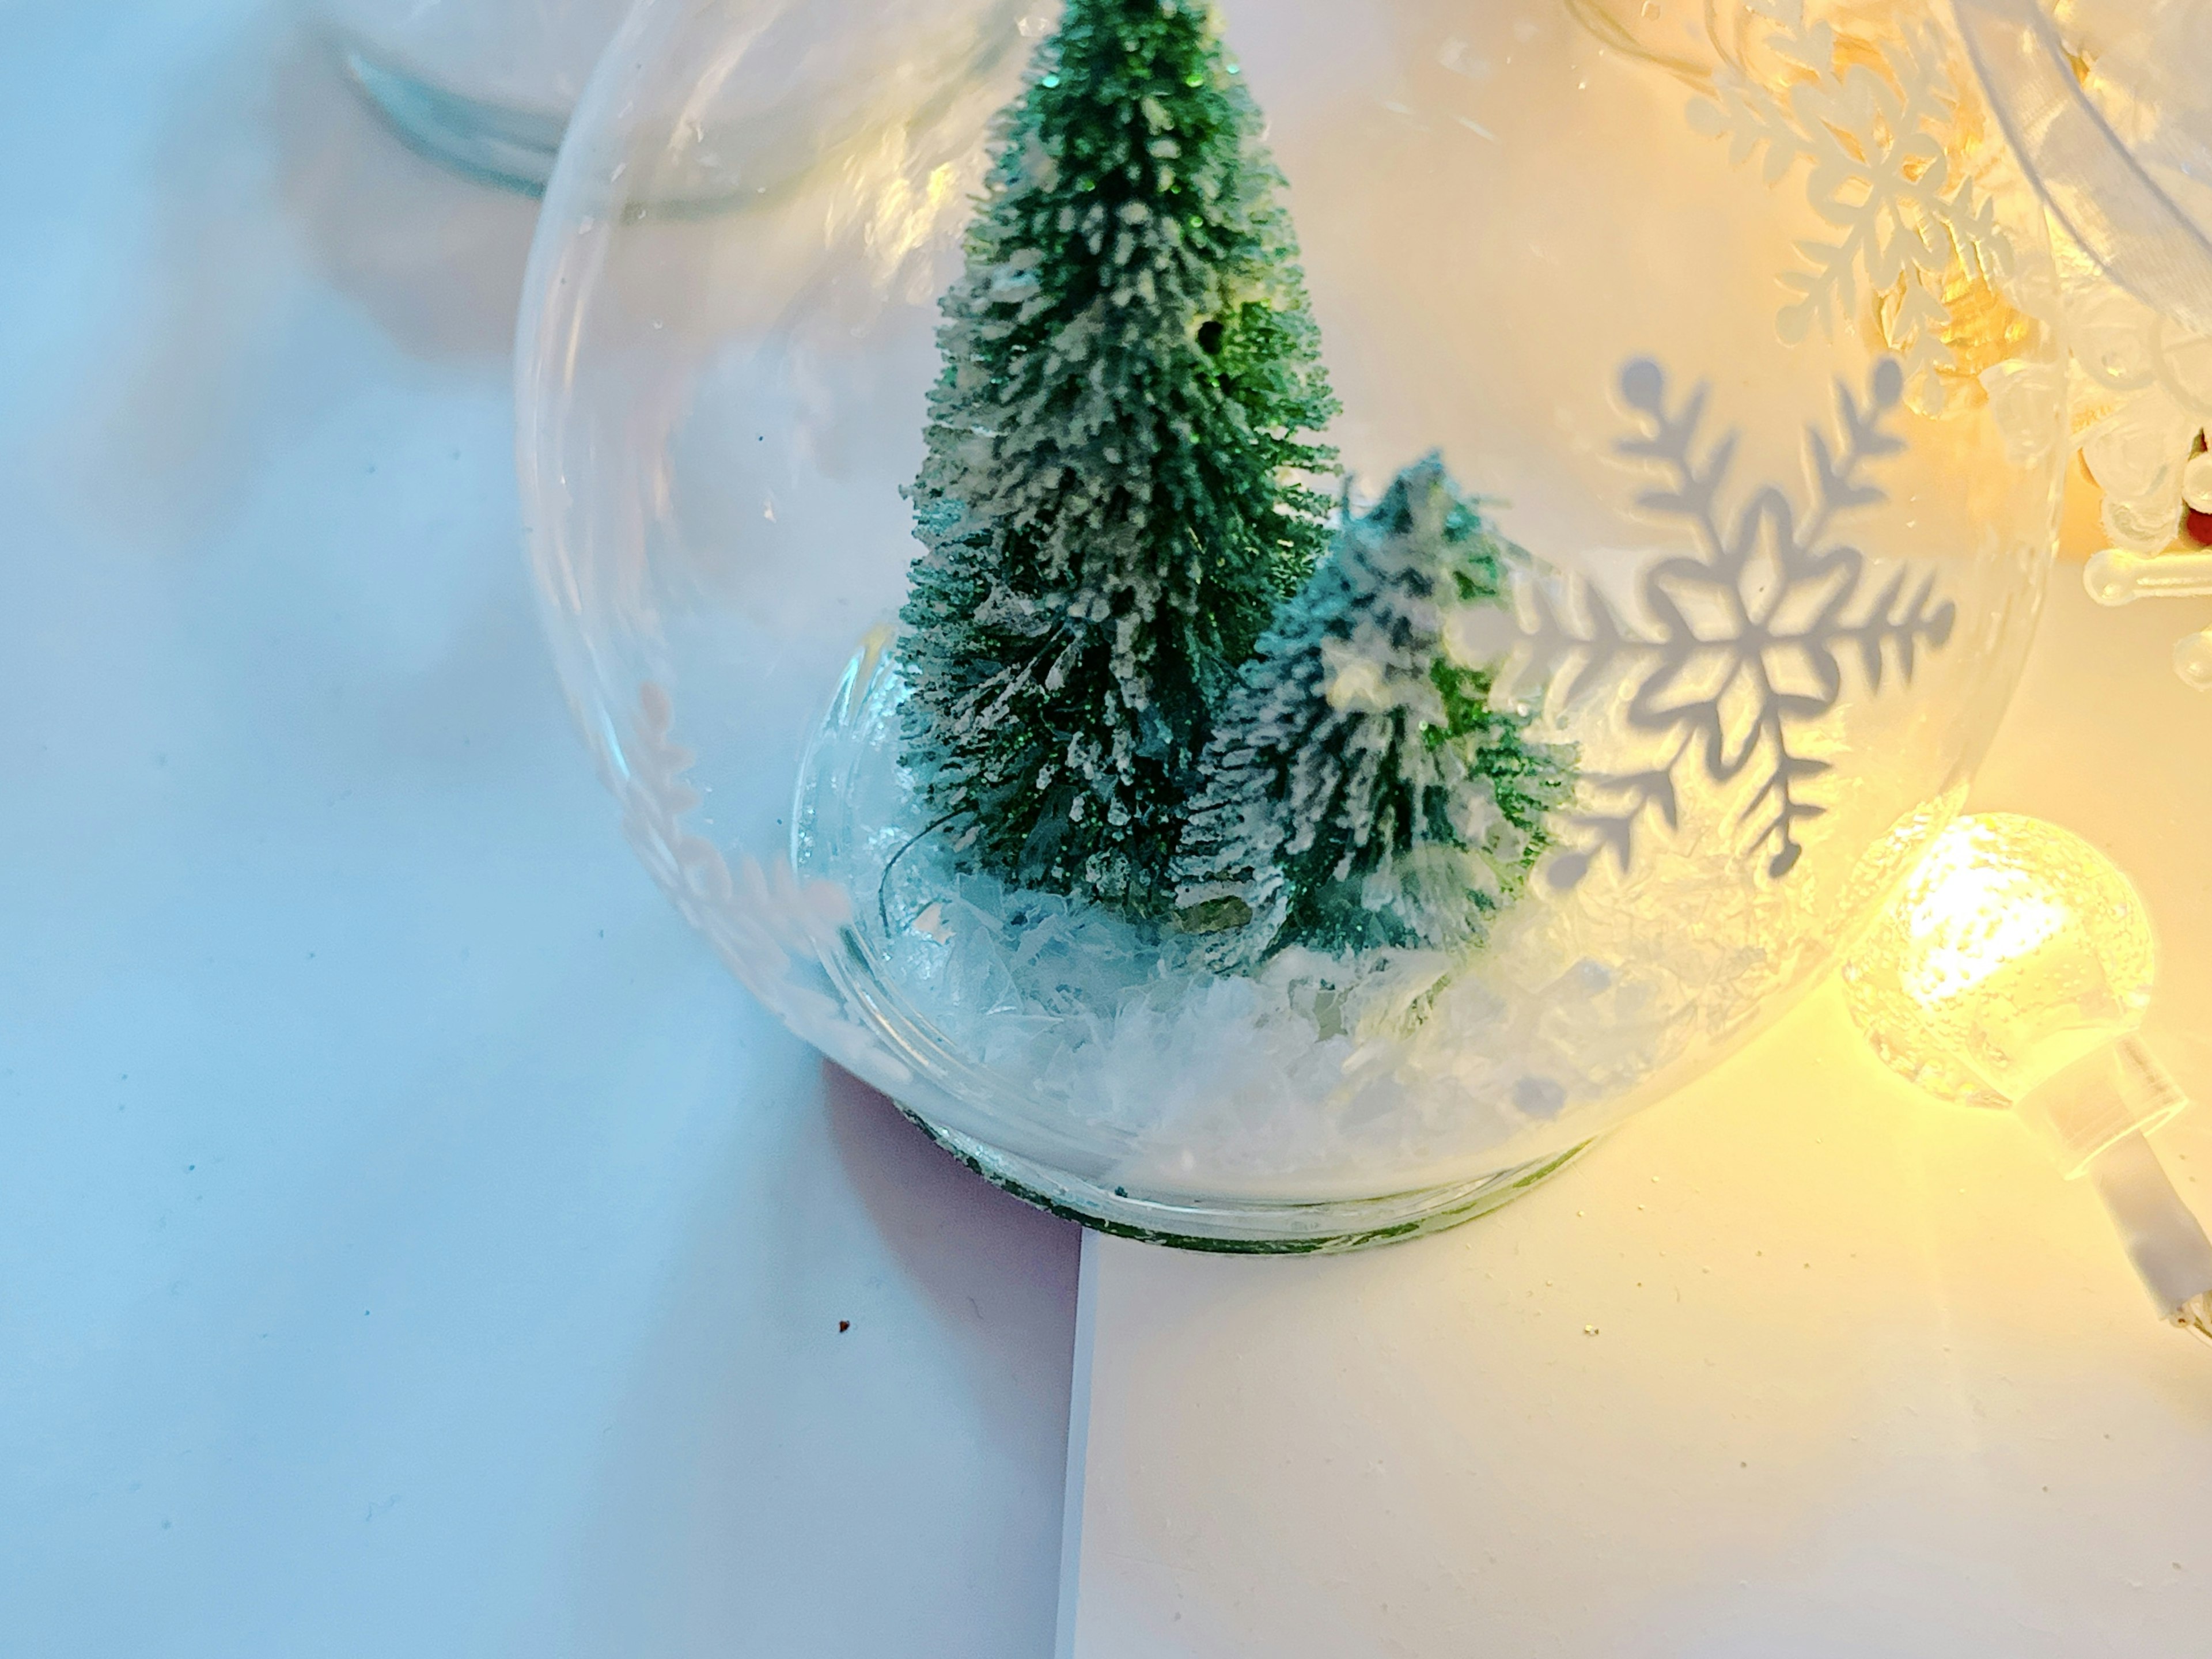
(1111, 505)
(1361, 791)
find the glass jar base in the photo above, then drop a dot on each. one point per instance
(490, 142)
(1249, 1228)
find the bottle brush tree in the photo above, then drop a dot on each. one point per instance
(1115, 495)
(1361, 790)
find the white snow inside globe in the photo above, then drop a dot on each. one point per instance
(1272, 615)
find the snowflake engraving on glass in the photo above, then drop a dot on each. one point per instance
(1745, 640)
(1870, 124)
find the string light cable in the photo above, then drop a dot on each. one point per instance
(2014, 970)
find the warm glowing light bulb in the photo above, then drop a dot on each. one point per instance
(2015, 950)
(2014, 968)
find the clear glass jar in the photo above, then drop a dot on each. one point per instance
(484, 86)
(2105, 101)
(1737, 320)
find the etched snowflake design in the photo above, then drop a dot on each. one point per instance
(1745, 641)
(1871, 135)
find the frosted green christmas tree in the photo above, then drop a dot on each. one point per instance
(1361, 791)
(1112, 505)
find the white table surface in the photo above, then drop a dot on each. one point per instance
(1797, 1365)
(411, 1242)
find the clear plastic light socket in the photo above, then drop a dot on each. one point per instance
(2014, 968)
(2117, 1089)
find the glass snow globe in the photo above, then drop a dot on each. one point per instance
(1270, 615)
(2105, 102)
(484, 86)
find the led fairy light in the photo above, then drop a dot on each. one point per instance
(2117, 576)
(2014, 970)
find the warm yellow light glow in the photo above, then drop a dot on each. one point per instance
(2015, 950)
(2013, 969)
(1975, 919)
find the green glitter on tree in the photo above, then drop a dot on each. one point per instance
(1113, 502)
